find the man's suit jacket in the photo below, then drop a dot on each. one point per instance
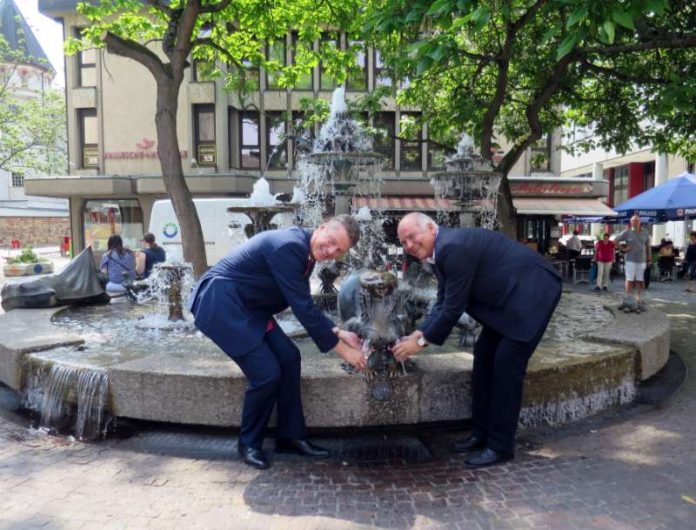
(234, 301)
(499, 282)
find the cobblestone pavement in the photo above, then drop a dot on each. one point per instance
(630, 468)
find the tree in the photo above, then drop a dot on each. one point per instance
(519, 69)
(32, 127)
(228, 36)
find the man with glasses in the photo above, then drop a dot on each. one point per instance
(234, 304)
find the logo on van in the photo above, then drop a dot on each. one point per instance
(170, 230)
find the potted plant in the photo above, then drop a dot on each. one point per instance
(27, 263)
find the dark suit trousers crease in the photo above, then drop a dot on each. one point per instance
(273, 370)
(497, 380)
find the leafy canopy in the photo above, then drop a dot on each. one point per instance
(518, 69)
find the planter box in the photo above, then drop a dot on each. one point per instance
(27, 269)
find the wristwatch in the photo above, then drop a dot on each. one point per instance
(421, 341)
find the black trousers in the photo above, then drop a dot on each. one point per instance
(273, 370)
(497, 380)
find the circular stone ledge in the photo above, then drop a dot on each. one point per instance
(591, 372)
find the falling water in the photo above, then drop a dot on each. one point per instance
(69, 397)
(470, 181)
(343, 166)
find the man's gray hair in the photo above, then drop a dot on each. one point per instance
(422, 220)
(351, 225)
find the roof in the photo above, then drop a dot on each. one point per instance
(20, 37)
(560, 206)
(403, 203)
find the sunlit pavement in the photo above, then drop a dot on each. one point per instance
(628, 468)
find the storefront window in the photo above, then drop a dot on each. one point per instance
(104, 218)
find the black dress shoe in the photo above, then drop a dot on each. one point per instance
(252, 457)
(302, 447)
(487, 457)
(472, 442)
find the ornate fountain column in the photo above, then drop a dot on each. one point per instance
(472, 184)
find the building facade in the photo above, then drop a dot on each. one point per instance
(226, 142)
(630, 174)
(28, 219)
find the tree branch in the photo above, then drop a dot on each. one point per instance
(133, 50)
(672, 43)
(210, 42)
(216, 8)
(553, 82)
(160, 7)
(184, 31)
(587, 65)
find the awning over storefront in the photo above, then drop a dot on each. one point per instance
(403, 203)
(561, 206)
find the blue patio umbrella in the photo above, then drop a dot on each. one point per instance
(670, 201)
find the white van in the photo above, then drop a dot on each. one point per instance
(222, 231)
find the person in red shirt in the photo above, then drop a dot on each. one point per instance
(605, 252)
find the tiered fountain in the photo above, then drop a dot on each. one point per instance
(182, 377)
(471, 183)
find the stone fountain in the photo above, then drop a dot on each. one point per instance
(262, 208)
(102, 363)
(471, 183)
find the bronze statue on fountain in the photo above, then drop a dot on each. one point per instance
(369, 305)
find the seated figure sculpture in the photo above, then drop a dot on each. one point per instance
(368, 307)
(78, 283)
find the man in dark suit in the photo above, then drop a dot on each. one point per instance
(508, 288)
(234, 303)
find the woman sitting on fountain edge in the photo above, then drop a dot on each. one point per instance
(234, 303)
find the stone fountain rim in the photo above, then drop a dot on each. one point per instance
(160, 387)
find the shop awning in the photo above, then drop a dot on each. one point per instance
(561, 206)
(403, 203)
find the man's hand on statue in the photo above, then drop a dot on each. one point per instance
(350, 338)
(406, 347)
(355, 358)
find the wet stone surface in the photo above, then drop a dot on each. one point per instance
(631, 468)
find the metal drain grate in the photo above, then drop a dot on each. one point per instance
(379, 449)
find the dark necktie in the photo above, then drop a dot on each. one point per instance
(309, 268)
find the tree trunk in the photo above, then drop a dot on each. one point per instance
(173, 174)
(507, 218)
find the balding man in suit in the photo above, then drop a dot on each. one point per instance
(234, 304)
(512, 292)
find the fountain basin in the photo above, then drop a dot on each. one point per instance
(574, 373)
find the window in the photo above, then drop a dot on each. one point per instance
(303, 134)
(202, 71)
(357, 78)
(89, 138)
(250, 154)
(411, 133)
(690, 167)
(326, 81)
(436, 156)
(104, 218)
(86, 65)
(304, 81)
(275, 52)
(17, 180)
(204, 134)
(384, 142)
(648, 175)
(541, 154)
(276, 141)
(381, 76)
(620, 185)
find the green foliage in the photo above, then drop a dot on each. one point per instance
(32, 127)
(26, 256)
(231, 43)
(522, 68)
